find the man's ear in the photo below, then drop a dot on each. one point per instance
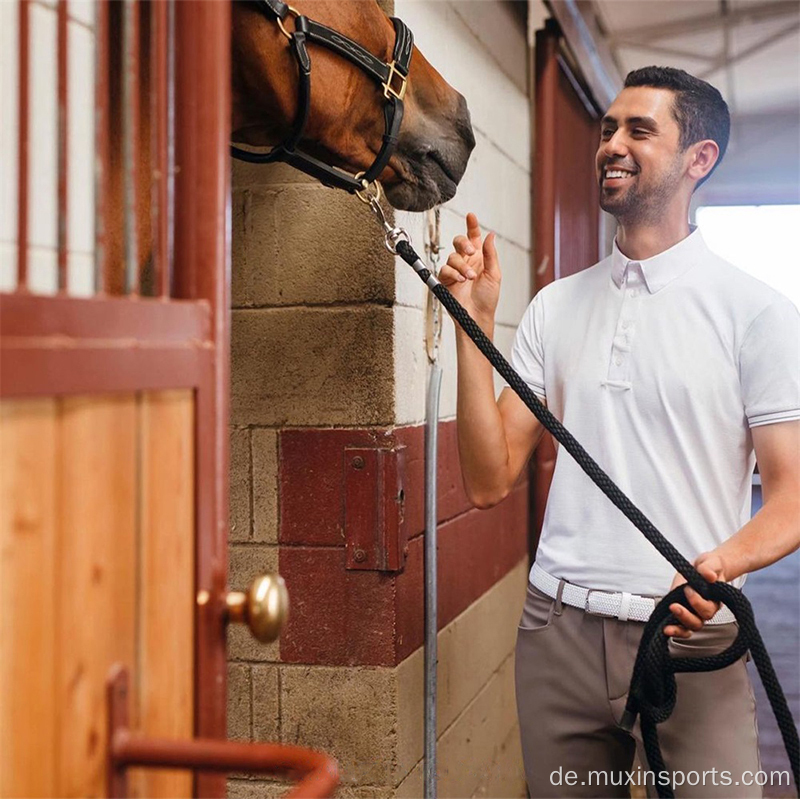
(703, 156)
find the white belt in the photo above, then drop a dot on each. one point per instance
(620, 605)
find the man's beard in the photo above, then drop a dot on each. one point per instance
(634, 206)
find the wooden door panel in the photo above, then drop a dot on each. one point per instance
(166, 620)
(28, 521)
(95, 577)
(96, 568)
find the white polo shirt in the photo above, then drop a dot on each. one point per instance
(659, 369)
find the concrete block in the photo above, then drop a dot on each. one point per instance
(312, 367)
(349, 713)
(240, 718)
(329, 250)
(497, 189)
(265, 485)
(252, 789)
(474, 69)
(506, 776)
(464, 669)
(501, 33)
(240, 486)
(299, 245)
(266, 703)
(471, 745)
(246, 175)
(411, 365)
(253, 246)
(413, 785)
(245, 563)
(247, 789)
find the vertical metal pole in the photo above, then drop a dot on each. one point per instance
(130, 142)
(63, 141)
(102, 159)
(431, 589)
(24, 134)
(202, 271)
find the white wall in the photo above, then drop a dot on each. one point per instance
(480, 48)
(43, 147)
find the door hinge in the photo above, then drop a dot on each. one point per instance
(375, 537)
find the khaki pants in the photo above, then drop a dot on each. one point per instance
(572, 676)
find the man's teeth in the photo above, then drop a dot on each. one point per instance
(618, 173)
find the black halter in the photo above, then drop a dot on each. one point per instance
(392, 78)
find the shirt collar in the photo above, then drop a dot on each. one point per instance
(664, 267)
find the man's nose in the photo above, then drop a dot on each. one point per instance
(616, 145)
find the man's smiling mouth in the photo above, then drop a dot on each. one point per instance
(614, 176)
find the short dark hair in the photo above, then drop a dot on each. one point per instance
(698, 107)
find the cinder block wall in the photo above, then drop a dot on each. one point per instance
(328, 337)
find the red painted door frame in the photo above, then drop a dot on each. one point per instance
(566, 214)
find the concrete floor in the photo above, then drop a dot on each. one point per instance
(775, 595)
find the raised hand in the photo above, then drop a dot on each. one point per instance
(472, 272)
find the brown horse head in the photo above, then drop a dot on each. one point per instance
(346, 122)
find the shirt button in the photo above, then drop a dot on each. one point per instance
(618, 361)
(626, 324)
(634, 292)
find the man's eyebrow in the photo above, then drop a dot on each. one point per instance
(646, 121)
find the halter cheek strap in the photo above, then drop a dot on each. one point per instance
(392, 77)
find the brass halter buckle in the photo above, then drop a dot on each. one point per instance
(388, 88)
(295, 13)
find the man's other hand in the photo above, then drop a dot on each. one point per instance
(710, 566)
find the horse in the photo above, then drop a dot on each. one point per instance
(345, 124)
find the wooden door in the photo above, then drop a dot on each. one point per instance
(113, 424)
(565, 200)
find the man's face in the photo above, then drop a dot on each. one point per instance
(639, 162)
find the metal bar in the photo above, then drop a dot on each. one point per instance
(158, 130)
(431, 587)
(29, 369)
(202, 270)
(103, 319)
(24, 142)
(63, 140)
(749, 51)
(663, 30)
(318, 773)
(102, 279)
(670, 52)
(130, 139)
(591, 51)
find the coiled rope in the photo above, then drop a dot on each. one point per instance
(653, 690)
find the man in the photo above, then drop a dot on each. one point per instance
(671, 367)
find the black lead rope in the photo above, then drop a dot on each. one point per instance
(653, 690)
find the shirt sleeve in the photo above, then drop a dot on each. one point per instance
(769, 365)
(527, 352)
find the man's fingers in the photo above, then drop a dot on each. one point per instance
(685, 617)
(455, 261)
(491, 262)
(449, 275)
(705, 608)
(473, 229)
(676, 632)
(463, 246)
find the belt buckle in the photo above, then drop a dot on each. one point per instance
(596, 613)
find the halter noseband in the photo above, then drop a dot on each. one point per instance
(392, 77)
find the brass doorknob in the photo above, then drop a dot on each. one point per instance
(264, 607)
